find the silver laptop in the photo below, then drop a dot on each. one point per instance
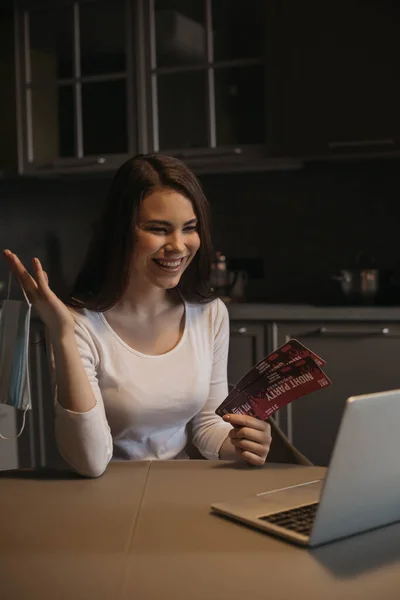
(361, 490)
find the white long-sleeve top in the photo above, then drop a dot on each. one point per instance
(144, 402)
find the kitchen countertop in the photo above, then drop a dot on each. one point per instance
(249, 311)
(263, 311)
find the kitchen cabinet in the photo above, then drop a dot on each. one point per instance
(246, 348)
(207, 79)
(220, 87)
(189, 79)
(336, 77)
(75, 84)
(361, 351)
(361, 357)
(8, 105)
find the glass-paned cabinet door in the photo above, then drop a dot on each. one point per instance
(183, 117)
(102, 37)
(180, 33)
(75, 83)
(50, 34)
(48, 75)
(104, 117)
(207, 71)
(238, 29)
(239, 105)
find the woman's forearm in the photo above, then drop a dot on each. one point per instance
(73, 388)
(82, 432)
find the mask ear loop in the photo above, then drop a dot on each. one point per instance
(3, 437)
(26, 297)
(22, 288)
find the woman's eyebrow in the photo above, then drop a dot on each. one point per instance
(156, 221)
(162, 222)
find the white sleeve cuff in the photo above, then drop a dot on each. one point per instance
(218, 438)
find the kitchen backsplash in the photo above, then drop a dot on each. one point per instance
(304, 225)
(308, 224)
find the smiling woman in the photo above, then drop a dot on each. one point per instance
(142, 190)
(140, 346)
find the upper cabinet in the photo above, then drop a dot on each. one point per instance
(221, 84)
(207, 69)
(337, 77)
(75, 81)
(99, 80)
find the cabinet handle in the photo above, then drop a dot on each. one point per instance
(346, 333)
(361, 143)
(76, 163)
(241, 330)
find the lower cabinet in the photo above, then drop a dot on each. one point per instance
(360, 358)
(246, 347)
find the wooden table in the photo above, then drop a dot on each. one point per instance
(144, 531)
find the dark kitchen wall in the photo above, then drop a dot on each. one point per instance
(308, 224)
(50, 219)
(305, 225)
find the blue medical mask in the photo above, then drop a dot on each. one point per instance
(14, 354)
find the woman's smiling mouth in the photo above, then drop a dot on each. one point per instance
(171, 265)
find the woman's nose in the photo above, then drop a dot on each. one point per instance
(175, 243)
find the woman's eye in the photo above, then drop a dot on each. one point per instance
(191, 228)
(158, 229)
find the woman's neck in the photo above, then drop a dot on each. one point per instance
(148, 302)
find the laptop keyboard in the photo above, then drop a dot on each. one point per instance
(296, 519)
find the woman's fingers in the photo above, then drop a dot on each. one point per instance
(250, 457)
(253, 459)
(244, 421)
(8, 255)
(248, 445)
(41, 275)
(27, 281)
(53, 312)
(246, 432)
(250, 437)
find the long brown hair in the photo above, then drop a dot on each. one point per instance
(104, 275)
